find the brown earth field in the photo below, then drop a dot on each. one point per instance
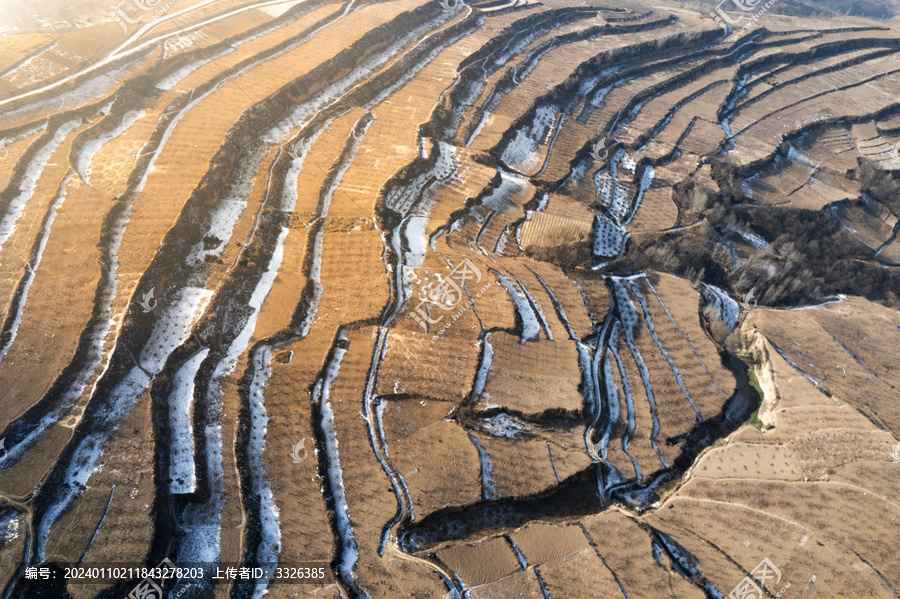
(446, 299)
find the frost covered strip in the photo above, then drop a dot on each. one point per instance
(298, 153)
(589, 83)
(530, 326)
(630, 320)
(372, 416)
(645, 377)
(521, 152)
(260, 292)
(444, 169)
(689, 563)
(587, 363)
(403, 284)
(170, 128)
(613, 407)
(198, 534)
(6, 141)
(488, 490)
(484, 228)
(173, 326)
(82, 461)
(519, 555)
(336, 175)
(542, 204)
(304, 112)
(649, 320)
(591, 381)
(9, 526)
(558, 307)
(315, 274)
(226, 214)
(800, 158)
(172, 80)
(181, 447)
(83, 160)
(485, 117)
(691, 345)
(270, 541)
(840, 298)
(603, 183)
(728, 308)
(536, 307)
(609, 238)
(855, 357)
(612, 195)
(753, 239)
(837, 215)
(19, 305)
(552, 461)
(620, 202)
(541, 582)
(484, 369)
(500, 246)
(18, 66)
(738, 91)
(629, 407)
(171, 330)
(349, 552)
(199, 539)
(29, 180)
(646, 180)
(498, 198)
(504, 425)
(379, 419)
(795, 367)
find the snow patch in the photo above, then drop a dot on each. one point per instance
(173, 79)
(181, 429)
(752, 238)
(530, 326)
(505, 425)
(83, 160)
(726, 308)
(30, 178)
(488, 489)
(270, 542)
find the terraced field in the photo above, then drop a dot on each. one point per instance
(484, 300)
